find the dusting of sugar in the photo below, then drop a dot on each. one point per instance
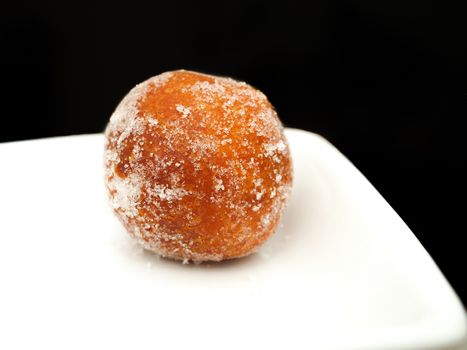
(272, 149)
(168, 194)
(273, 193)
(266, 219)
(259, 195)
(218, 185)
(281, 146)
(185, 111)
(127, 192)
(208, 89)
(152, 121)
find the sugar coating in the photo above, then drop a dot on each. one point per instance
(197, 166)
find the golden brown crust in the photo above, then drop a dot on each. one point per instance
(197, 166)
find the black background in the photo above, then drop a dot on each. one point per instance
(384, 81)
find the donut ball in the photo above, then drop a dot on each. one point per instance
(197, 166)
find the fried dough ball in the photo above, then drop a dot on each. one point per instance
(197, 166)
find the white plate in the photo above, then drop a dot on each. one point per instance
(343, 272)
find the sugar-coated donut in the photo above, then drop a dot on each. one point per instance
(197, 166)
